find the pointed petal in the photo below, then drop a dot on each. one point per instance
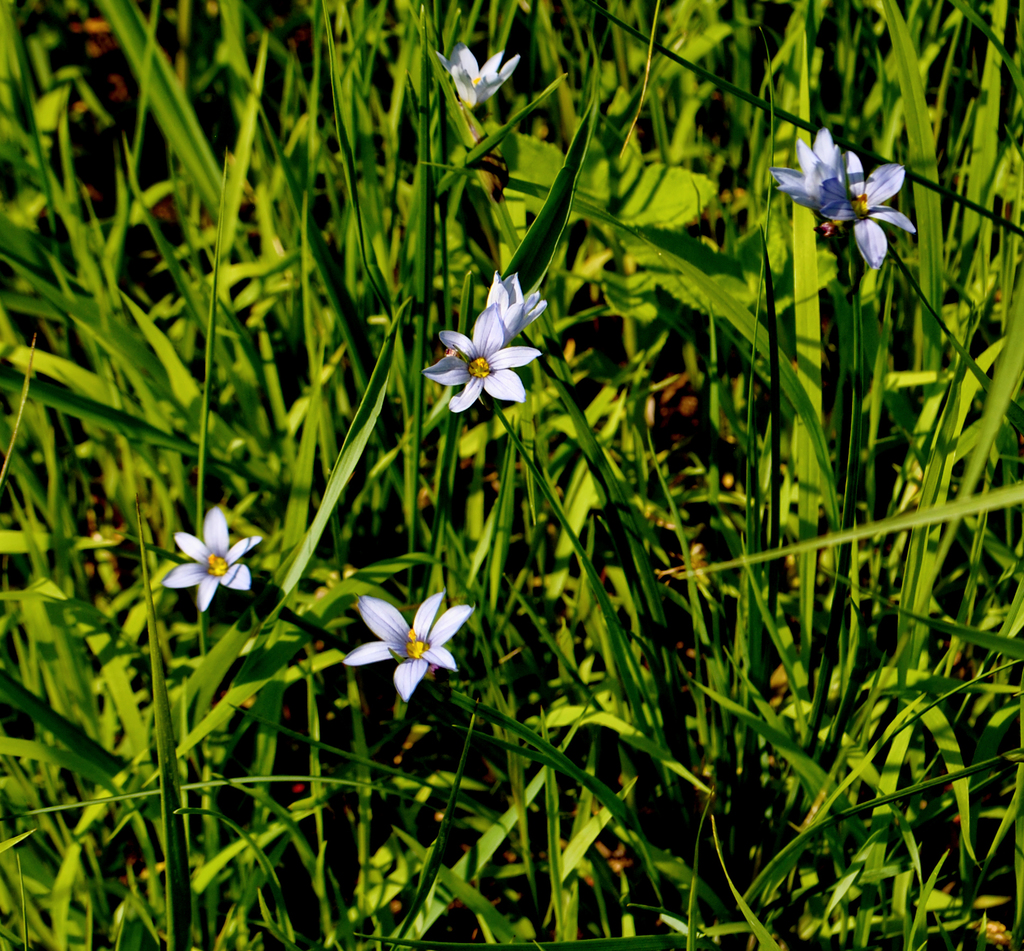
(806, 157)
(453, 340)
(462, 401)
(215, 532)
(367, 654)
(511, 317)
(184, 576)
(507, 69)
(489, 332)
(826, 149)
(505, 385)
(440, 656)
(448, 371)
(792, 183)
(490, 68)
(854, 174)
(446, 63)
(192, 546)
(893, 217)
(238, 578)
(884, 182)
(515, 292)
(242, 548)
(498, 294)
(408, 674)
(384, 620)
(461, 56)
(449, 623)
(513, 357)
(870, 242)
(464, 84)
(207, 589)
(425, 615)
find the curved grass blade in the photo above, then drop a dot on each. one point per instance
(176, 874)
(17, 419)
(435, 854)
(764, 938)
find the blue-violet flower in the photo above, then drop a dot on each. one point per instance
(420, 646)
(215, 561)
(516, 314)
(477, 84)
(818, 165)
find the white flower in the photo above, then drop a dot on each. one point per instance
(483, 364)
(476, 84)
(854, 199)
(421, 646)
(825, 161)
(215, 561)
(515, 313)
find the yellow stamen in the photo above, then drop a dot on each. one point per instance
(416, 648)
(860, 206)
(479, 368)
(218, 566)
(477, 80)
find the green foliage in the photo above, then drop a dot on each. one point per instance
(744, 668)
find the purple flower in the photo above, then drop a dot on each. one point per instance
(516, 314)
(859, 201)
(420, 646)
(476, 84)
(215, 561)
(818, 165)
(483, 363)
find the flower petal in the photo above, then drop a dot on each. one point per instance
(884, 182)
(870, 242)
(207, 589)
(792, 183)
(464, 84)
(489, 332)
(238, 578)
(192, 546)
(854, 174)
(384, 620)
(513, 357)
(507, 69)
(453, 340)
(448, 371)
(809, 162)
(440, 656)
(243, 547)
(505, 385)
(462, 401)
(892, 217)
(215, 532)
(445, 62)
(461, 56)
(498, 293)
(425, 615)
(184, 576)
(449, 623)
(490, 68)
(408, 674)
(827, 151)
(367, 654)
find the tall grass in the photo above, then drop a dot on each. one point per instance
(744, 665)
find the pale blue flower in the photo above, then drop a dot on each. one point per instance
(483, 363)
(477, 84)
(859, 201)
(818, 165)
(516, 314)
(215, 561)
(420, 646)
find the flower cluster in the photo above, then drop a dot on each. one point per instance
(485, 363)
(833, 186)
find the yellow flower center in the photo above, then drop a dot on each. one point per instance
(479, 368)
(416, 648)
(477, 80)
(218, 566)
(860, 206)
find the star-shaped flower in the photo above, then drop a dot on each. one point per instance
(818, 165)
(484, 363)
(859, 201)
(477, 84)
(420, 646)
(215, 561)
(516, 314)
